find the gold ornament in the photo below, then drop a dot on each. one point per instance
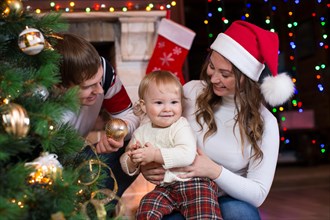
(116, 129)
(15, 120)
(11, 7)
(47, 169)
(31, 41)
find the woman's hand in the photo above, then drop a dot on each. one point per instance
(153, 172)
(108, 145)
(202, 166)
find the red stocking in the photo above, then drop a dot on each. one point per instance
(172, 46)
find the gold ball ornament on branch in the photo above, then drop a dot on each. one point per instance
(31, 41)
(11, 7)
(116, 129)
(15, 120)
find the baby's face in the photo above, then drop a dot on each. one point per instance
(162, 105)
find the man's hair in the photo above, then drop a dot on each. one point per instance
(80, 60)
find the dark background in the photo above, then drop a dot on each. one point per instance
(304, 145)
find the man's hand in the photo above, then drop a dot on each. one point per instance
(108, 145)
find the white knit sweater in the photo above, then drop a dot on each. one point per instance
(177, 144)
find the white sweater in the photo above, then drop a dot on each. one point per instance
(241, 177)
(177, 144)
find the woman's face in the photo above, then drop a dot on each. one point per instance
(221, 74)
(90, 88)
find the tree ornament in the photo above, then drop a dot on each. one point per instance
(41, 92)
(15, 120)
(116, 129)
(31, 41)
(47, 169)
(11, 7)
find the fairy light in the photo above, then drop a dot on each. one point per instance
(322, 146)
(98, 6)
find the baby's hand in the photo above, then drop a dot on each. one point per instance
(132, 148)
(135, 146)
(143, 155)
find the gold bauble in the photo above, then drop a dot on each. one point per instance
(31, 41)
(15, 120)
(11, 7)
(116, 129)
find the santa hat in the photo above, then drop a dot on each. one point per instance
(248, 47)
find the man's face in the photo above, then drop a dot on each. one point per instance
(89, 89)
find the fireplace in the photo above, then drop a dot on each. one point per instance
(125, 38)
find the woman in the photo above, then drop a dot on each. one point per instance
(238, 137)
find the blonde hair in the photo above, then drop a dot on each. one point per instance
(161, 78)
(248, 119)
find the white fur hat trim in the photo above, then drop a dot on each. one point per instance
(277, 89)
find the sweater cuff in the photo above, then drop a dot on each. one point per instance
(168, 162)
(125, 168)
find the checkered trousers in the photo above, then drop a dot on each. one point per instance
(195, 199)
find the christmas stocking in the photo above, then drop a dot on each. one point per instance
(171, 49)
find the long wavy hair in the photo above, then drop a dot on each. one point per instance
(248, 100)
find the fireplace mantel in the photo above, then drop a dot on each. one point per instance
(135, 30)
(133, 34)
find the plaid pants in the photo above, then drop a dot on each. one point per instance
(195, 199)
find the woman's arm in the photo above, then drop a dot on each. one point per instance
(255, 187)
(251, 183)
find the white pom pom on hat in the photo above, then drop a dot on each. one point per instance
(248, 47)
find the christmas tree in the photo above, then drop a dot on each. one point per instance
(43, 176)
